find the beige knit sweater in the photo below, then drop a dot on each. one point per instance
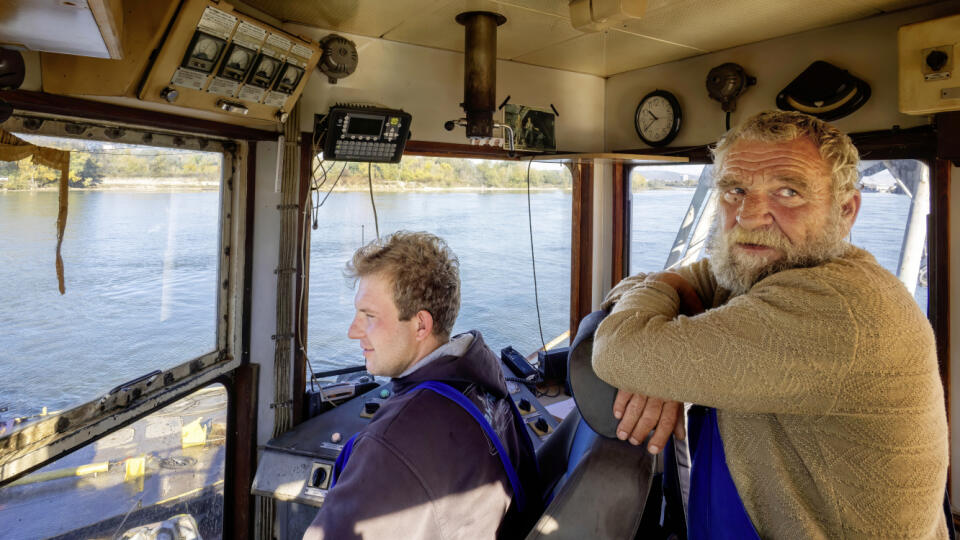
(826, 383)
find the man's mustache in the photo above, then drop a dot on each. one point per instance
(762, 237)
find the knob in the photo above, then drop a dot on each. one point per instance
(449, 125)
(524, 406)
(936, 60)
(170, 94)
(541, 425)
(282, 116)
(371, 407)
(384, 393)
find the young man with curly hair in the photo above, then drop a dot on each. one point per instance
(423, 468)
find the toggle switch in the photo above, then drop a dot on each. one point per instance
(525, 406)
(540, 426)
(320, 476)
(370, 408)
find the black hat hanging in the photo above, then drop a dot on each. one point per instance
(825, 91)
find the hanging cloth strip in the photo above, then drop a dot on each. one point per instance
(457, 397)
(13, 148)
(716, 510)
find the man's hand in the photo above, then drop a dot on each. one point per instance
(638, 414)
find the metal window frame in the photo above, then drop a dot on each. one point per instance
(37, 444)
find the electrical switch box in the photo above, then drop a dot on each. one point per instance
(929, 82)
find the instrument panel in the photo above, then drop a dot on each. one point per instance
(297, 466)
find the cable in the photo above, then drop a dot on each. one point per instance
(334, 185)
(376, 223)
(728, 121)
(304, 249)
(533, 259)
(315, 190)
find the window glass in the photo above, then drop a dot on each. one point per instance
(659, 198)
(881, 227)
(165, 470)
(140, 255)
(480, 208)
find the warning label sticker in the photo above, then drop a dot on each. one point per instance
(279, 42)
(217, 22)
(249, 35)
(189, 78)
(223, 87)
(251, 93)
(276, 99)
(302, 51)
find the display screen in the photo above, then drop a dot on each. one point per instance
(365, 126)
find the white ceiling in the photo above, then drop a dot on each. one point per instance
(539, 32)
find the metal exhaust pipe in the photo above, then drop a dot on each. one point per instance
(480, 71)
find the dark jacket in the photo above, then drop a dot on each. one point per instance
(424, 469)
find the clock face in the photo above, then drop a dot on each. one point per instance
(658, 118)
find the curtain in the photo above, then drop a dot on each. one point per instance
(13, 148)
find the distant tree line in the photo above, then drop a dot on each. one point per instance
(639, 182)
(91, 163)
(426, 172)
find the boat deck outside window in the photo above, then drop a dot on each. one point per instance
(166, 468)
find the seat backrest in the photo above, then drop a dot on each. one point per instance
(596, 486)
(593, 396)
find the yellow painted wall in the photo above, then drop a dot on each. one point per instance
(428, 83)
(866, 48)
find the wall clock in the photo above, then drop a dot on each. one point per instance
(657, 119)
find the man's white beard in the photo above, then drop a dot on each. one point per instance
(738, 272)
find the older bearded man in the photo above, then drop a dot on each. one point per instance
(826, 416)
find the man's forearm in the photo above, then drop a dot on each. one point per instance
(756, 353)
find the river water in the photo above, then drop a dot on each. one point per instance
(141, 276)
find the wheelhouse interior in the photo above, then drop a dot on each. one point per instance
(167, 351)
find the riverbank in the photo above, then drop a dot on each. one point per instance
(388, 187)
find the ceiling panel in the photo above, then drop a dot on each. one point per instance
(559, 8)
(539, 31)
(583, 54)
(625, 52)
(712, 25)
(606, 53)
(371, 18)
(525, 30)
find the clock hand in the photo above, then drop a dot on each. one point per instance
(653, 115)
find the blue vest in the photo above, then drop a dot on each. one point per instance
(715, 509)
(457, 397)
